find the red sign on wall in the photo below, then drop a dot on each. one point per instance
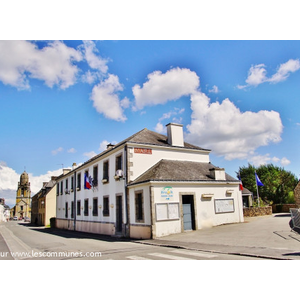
(143, 150)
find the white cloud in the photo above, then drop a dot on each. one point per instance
(56, 151)
(257, 73)
(89, 77)
(160, 128)
(106, 100)
(259, 160)
(90, 154)
(72, 150)
(214, 89)
(94, 61)
(226, 130)
(103, 145)
(284, 161)
(284, 70)
(21, 60)
(161, 88)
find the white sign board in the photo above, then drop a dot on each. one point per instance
(224, 206)
(167, 211)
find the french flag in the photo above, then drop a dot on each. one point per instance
(87, 184)
(241, 184)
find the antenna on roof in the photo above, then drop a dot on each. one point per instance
(62, 165)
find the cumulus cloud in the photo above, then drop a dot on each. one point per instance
(226, 130)
(106, 100)
(163, 87)
(53, 64)
(257, 73)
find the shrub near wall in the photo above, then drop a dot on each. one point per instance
(257, 211)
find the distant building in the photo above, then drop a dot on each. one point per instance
(43, 205)
(23, 199)
(4, 211)
(247, 197)
(147, 186)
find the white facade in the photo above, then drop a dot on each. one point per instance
(125, 200)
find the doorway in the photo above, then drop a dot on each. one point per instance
(119, 214)
(188, 212)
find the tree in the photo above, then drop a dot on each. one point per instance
(278, 183)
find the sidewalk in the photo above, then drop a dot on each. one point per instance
(265, 236)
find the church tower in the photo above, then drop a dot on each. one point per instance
(23, 199)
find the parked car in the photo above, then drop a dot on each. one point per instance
(26, 219)
(15, 218)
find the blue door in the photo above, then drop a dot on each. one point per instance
(187, 216)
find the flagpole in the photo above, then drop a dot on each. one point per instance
(257, 193)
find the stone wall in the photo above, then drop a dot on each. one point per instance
(257, 211)
(277, 208)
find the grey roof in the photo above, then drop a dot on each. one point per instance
(146, 137)
(174, 170)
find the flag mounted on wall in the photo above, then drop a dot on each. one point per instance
(258, 181)
(87, 181)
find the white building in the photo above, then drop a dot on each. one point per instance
(147, 186)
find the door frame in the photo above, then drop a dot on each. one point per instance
(193, 210)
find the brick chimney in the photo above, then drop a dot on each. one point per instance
(175, 134)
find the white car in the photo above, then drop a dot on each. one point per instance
(15, 218)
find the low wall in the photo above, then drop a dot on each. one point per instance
(277, 208)
(257, 211)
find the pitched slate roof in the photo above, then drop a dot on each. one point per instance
(146, 137)
(174, 170)
(149, 137)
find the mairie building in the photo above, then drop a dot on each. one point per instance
(147, 186)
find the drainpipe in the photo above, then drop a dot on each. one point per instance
(74, 205)
(126, 189)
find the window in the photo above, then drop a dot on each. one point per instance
(105, 171)
(78, 181)
(72, 183)
(67, 185)
(86, 207)
(119, 163)
(95, 176)
(72, 209)
(66, 210)
(139, 207)
(78, 207)
(61, 187)
(95, 207)
(106, 206)
(57, 189)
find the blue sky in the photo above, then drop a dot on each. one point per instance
(63, 101)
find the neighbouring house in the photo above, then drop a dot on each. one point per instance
(4, 211)
(147, 186)
(247, 197)
(43, 206)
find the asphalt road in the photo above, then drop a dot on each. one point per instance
(21, 241)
